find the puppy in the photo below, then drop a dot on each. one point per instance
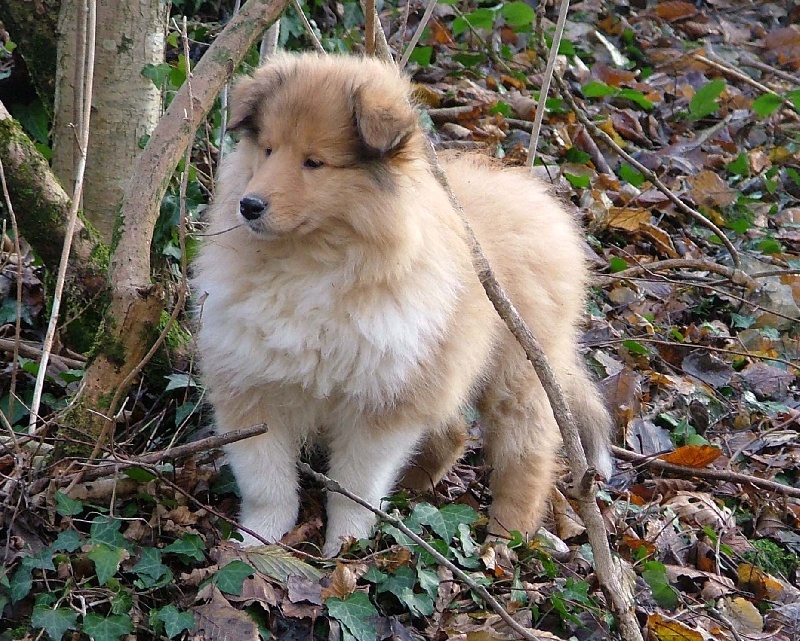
(341, 306)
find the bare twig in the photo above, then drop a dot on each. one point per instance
(706, 473)
(546, 79)
(269, 43)
(370, 18)
(649, 175)
(736, 276)
(333, 486)
(30, 350)
(417, 34)
(309, 29)
(88, 80)
(382, 50)
(18, 321)
(223, 106)
(172, 453)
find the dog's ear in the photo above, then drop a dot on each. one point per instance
(245, 97)
(250, 93)
(385, 118)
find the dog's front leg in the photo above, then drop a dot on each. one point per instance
(266, 473)
(366, 461)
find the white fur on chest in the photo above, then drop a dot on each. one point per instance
(325, 332)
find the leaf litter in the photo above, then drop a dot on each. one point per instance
(700, 371)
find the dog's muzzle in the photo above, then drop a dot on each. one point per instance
(252, 207)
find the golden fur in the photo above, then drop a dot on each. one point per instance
(347, 312)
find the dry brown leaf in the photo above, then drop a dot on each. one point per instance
(660, 238)
(764, 586)
(608, 126)
(745, 616)
(709, 190)
(673, 10)
(343, 583)
(218, 620)
(628, 218)
(783, 46)
(693, 455)
(663, 629)
(701, 509)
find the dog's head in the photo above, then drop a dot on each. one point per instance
(322, 137)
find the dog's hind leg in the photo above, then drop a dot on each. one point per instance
(366, 461)
(436, 454)
(521, 440)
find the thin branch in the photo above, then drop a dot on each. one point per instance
(546, 79)
(107, 468)
(382, 49)
(417, 34)
(333, 486)
(87, 85)
(309, 29)
(736, 276)
(269, 43)
(29, 350)
(370, 18)
(18, 321)
(649, 175)
(223, 107)
(705, 473)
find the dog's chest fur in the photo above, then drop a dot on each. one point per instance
(326, 331)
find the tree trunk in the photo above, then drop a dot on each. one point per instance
(125, 105)
(32, 25)
(136, 304)
(42, 209)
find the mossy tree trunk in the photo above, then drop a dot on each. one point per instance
(42, 208)
(136, 302)
(33, 27)
(126, 106)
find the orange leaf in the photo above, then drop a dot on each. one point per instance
(693, 455)
(663, 629)
(628, 218)
(676, 10)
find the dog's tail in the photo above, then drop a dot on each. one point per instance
(592, 418)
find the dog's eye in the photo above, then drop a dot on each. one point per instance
(268, 152)
(310, 163)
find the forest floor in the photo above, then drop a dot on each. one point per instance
(695, 340)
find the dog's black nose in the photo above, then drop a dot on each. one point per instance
(251, 207)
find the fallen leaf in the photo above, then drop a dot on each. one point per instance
(342, 583)
(709, 190)
(663, 629)
(701, 509)
(219, 620)
(673, 10)
(628, 218)
(745, 616)
(693, 455)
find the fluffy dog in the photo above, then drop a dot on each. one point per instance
(341, 306)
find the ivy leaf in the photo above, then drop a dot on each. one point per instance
(634, 347)
(631, 175)
(478, 19)
(617, 264)
(597, 89)
(107, 628)
(67, 506)
(189, 547)
(655, 575)
(581, 182)
(704, 102)
(401, 584)
(740, 166)
(637, 97)
(517, 14)
(230, 578)
(173, 619)
(150, 569)
(20, 585)
(67, 541)
(766, 103)
(355, 614)
(42, 560)
(55, 622)
(105, 529)
(106, 561)
(445, 521)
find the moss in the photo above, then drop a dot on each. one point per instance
(112, 348)
(772, 558)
